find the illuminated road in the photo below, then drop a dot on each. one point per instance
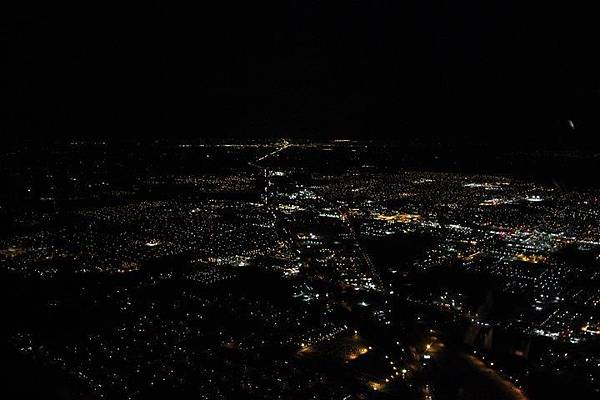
(455, 373)
(503, 384)
(285, 144)
(346, 217)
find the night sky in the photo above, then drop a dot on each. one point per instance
(457, 71)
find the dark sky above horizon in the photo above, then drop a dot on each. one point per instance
(489, 71)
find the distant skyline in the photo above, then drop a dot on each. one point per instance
(499, 72)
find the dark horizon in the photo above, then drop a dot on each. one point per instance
(500, 73)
